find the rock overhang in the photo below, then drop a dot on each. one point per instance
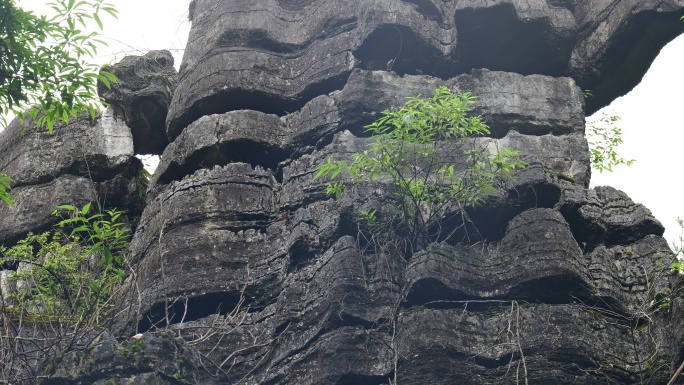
(283, 55)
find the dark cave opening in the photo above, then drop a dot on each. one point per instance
(497, 39)
(399, 49)
(194, 309)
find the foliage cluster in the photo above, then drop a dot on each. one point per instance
(604, 137)
(44, 66)
(69, 273)
(678, 249)
(427, 152)
(58, 300)
(44, 69)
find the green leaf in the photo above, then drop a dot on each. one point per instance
(112, 11)
(110, 76)
(5, 187)
(98, 21)
(85, 209)
(105, 81)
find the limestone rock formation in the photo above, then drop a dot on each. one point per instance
(261, 278)
(144, 359)
(84, 161)
(142, 96)
(279, 54)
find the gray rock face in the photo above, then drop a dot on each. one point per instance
(607, 216)
(146, 359)
(81, 162)
(275, 56)
(142, 96)
(100, 149)
(34, 204)
(263, 279)
(548, 109)
(239, 247)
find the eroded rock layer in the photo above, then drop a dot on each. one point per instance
(274, 56)
(244, 271)
(241, 252)
(84, 161)
(141, 95)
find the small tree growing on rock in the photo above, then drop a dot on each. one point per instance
(437, 163)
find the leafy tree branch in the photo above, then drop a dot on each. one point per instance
(426, 151)
(45, 68)
(604, 136)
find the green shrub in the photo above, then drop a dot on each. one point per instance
(426, 151)
(604, 136)
(69, 273)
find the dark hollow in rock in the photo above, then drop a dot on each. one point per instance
(142, 96)
(498, 39)
(398, 49)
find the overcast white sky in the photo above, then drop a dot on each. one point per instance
(143, 25)
(652, 114)
(653, 130)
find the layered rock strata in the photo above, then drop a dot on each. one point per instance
(280, 54)
(263, 279)
(238, 237)
(141, 96)
(84, 161)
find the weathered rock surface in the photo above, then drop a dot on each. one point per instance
(248, 255)
(275, 56)
(561, 342)
(99, 149)
(607, 216)
(34, 204)
(306, 302)
(142, 96)
(264, 279)
(547, 110)
(84, 161)
(256, 234)
(157, 360)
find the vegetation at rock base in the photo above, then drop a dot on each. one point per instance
(429, 152)
(59, 294)
(69, 272)
(45, 68)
